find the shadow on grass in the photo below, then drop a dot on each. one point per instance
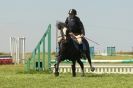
(87, 75)
(96, 75)
(34, 72)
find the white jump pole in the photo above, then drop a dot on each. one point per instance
(11, 48)
(22, 48)
(17, 49)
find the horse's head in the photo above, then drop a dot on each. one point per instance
(62, 30)
(60, 25)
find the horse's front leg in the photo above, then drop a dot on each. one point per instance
(73, 68)
(81, 65)
(57, 66)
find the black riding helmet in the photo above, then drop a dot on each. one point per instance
(72, 11)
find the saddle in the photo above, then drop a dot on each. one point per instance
(77, 38)
(78, 41)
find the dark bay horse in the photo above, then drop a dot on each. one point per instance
(68, 50)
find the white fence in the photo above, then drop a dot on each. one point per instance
(17, 49)
(105, 61)
(99, 69)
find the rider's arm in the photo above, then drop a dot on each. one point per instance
(82, 29)
(81, 26)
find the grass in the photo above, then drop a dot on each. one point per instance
(12, 76)
(98, 57)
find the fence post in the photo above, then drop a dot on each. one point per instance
(40, 62)
(44, 54)
(49, 48)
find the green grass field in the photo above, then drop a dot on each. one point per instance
(12, 76)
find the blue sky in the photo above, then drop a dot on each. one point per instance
(108, 22)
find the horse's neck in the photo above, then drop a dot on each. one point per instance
(63, 32)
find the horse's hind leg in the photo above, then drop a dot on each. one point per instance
(89, 60)
(73, 68)
(87, 52)
(57, 66)
(81, 65)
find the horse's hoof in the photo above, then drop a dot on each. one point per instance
(56, 74)
(92, 69)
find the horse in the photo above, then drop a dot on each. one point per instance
(69, 49)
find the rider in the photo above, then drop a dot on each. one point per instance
(76, 28)
(73, 23)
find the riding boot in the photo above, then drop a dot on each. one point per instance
(73, 71)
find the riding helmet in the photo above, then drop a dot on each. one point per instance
(72, 11)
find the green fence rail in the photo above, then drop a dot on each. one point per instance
(92, 52)
(41, 56)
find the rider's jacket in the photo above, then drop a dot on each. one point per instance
(75, 25)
